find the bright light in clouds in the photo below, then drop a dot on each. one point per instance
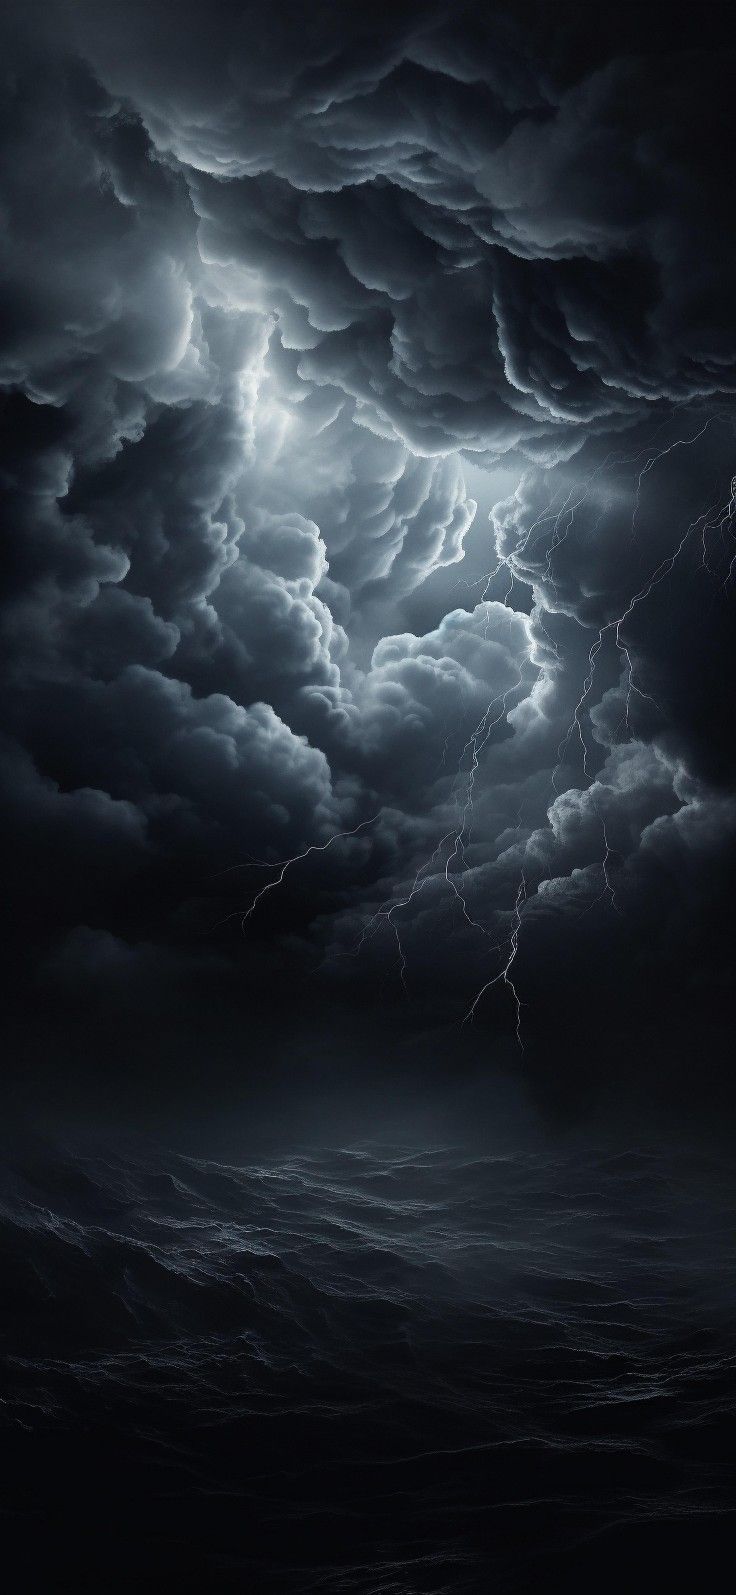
(385, 380)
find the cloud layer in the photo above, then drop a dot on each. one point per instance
(278, 283)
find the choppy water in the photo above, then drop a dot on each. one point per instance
(381, 1369)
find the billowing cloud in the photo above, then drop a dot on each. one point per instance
(277, 280)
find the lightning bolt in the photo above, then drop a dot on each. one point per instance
(609, 890)
(614, 627)
(504, 975)
(560, 517)
(680, 443)
(561, 527)
(385, 913)
(455, 837)
(283, 866)
(475, 745)
(724, 518)
(562, 520)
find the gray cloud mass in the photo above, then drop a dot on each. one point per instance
(279, 282)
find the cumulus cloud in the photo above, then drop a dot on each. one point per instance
(275, 277)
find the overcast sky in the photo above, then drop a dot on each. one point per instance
(367, 453)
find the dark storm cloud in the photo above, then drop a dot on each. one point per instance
(273, 275)
(390, 206)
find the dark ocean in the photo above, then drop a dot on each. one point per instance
(383, 1369)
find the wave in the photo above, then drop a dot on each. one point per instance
(371, 1368)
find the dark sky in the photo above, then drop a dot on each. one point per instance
(367, 448)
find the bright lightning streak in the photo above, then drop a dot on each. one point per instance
(284, 865)
(457, 837)
(664, 569)
(385, 914)
(562, 522)
(680, 443)
(475, 745)
(609, 891)
(723, 520)
(504, 975)
(560, 531)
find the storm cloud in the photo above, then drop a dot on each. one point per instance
(289, 296)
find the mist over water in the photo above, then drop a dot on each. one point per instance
(379, 1365)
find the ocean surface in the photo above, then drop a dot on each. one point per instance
(383, 1369)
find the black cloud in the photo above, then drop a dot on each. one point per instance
(277, 280)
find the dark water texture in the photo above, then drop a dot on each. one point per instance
(382, 1369)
